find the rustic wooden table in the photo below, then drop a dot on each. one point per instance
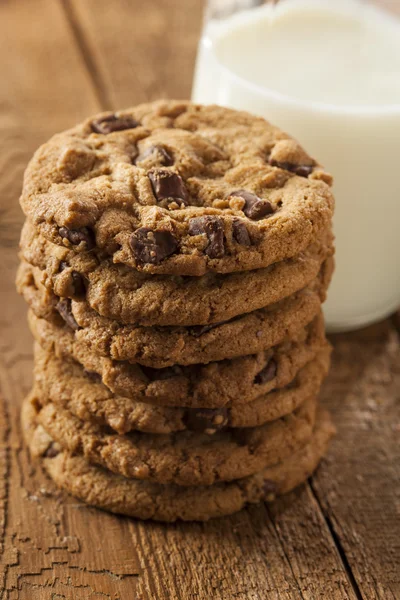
(337, 537)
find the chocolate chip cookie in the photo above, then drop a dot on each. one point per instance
(148, 500)
(161, 347)
(176, 188)
(238, 380)
(129, 296)
(185, 458)
(66, 384)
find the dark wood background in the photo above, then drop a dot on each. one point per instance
(338, 537)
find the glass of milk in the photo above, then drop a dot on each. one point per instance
(327, 72)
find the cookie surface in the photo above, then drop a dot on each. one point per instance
(208, 386)
(184, 458)
(65, 384)
(148, 500)
(161, 347)
(129, 296)
(176, 188)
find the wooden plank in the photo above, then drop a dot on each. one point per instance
(47, 548)
(53, 546)
(41, 68)
(359, 486)
(140, 51)
(283, 552)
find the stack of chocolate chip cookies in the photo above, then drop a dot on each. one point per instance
(174, 259)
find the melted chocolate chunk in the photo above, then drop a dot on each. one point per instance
(77, 236)
(158, 154)
(255, 208)
(92, 375)
(64, 308)
(152, 246)
(301, 170)
(78, 281)
(267, 373)
(112, 123)
(206, 420)
(51, 451)
(78, 284)
(167, 184)
(213, 228)
(240, 233)
(269, 490)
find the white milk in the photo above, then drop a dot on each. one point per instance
(329, 74)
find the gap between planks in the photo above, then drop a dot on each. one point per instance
(337, 543)
(88, 58)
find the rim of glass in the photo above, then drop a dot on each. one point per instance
(353, 109)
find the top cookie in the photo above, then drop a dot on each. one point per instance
(176, 188)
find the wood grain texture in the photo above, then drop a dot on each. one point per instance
(337, 538)
(359, 487)
(139, 51)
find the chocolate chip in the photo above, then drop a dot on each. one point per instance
(112, 123)
(78, 281)
(157, 153)
(255, 208)
(240, 233)
(269, 490)
(167, 184)
(77, 236)
(206, 420)
(301, 170)
(78, 284)
(152, 246)
(52, 451)
(213, 228)
(92, 375)
(64, 308)
(198, 330)
(267, 373)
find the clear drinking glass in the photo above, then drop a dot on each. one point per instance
(327, 72)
